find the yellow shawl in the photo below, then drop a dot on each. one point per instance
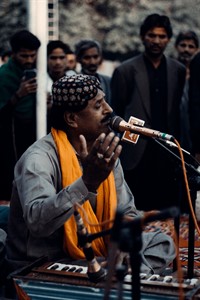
(105, 205)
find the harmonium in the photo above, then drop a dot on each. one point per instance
(59, 280)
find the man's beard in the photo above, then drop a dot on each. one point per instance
(184, 59)
(154, 54)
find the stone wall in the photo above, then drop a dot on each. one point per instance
(115, 23)
(13, 17)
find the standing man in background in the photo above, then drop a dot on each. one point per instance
(186, 45)
(57, 52)
(56, 67)
(149, 87)
(17, 105)
(89, 55)
(71, 63)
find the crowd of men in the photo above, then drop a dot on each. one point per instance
(82, 160)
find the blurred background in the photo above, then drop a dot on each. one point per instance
(114, 23)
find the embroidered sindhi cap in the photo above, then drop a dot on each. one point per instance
(74, 92)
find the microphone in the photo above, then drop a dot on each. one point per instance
(95, 272)
(119, 125)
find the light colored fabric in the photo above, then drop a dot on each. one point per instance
(3, 236)
(106, 199)
(197, 208)
(197, 203)
(49, 84)
(2, 239)
(157, 252)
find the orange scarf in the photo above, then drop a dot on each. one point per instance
(106, 202)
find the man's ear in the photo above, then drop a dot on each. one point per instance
(71, 119)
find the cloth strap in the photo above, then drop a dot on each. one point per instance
(106, 201)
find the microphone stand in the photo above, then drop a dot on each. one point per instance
(194, 183)
(135, 256)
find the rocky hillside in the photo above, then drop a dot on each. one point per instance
(115, 23)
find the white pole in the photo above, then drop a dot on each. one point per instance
(38, 25)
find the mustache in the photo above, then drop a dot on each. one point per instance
(156, 47)
(107, 118)
(186, 53)
(92, 66)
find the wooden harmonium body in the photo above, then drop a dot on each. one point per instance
(58, 280)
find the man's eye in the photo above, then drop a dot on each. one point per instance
(153, 36)
(92, 56)
(98, 104)
(27, 56)
(56, 57)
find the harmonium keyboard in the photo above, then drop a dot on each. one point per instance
(59, 280)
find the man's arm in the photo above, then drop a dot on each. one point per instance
(45, 204)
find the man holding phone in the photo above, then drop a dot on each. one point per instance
(18, 87)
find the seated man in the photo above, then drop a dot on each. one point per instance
(78, 162)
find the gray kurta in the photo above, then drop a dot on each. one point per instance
(39, 206)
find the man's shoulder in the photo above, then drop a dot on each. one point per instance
(104, 77)
(5, 68)
(8, 70)
(41, 155)
(174, 62)
(44, 145)
(196, 59)
(131, 62)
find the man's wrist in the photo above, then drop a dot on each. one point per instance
(91, 187)
(15, 98)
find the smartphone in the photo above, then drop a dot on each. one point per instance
(30, 73)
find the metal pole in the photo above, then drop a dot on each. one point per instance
(38, 25)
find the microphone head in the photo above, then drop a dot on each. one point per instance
(114, 123)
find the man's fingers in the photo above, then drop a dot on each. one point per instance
(97, 145)
(112, 147)
(83, 149)
(114, 156)
(105, 149)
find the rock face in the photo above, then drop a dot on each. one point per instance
(13, 17)
(114, 23)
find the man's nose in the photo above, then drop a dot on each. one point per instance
(156, 39)
(107, 107)
(93, 60)
(58, 60)
(188, 49)
(30, 59)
